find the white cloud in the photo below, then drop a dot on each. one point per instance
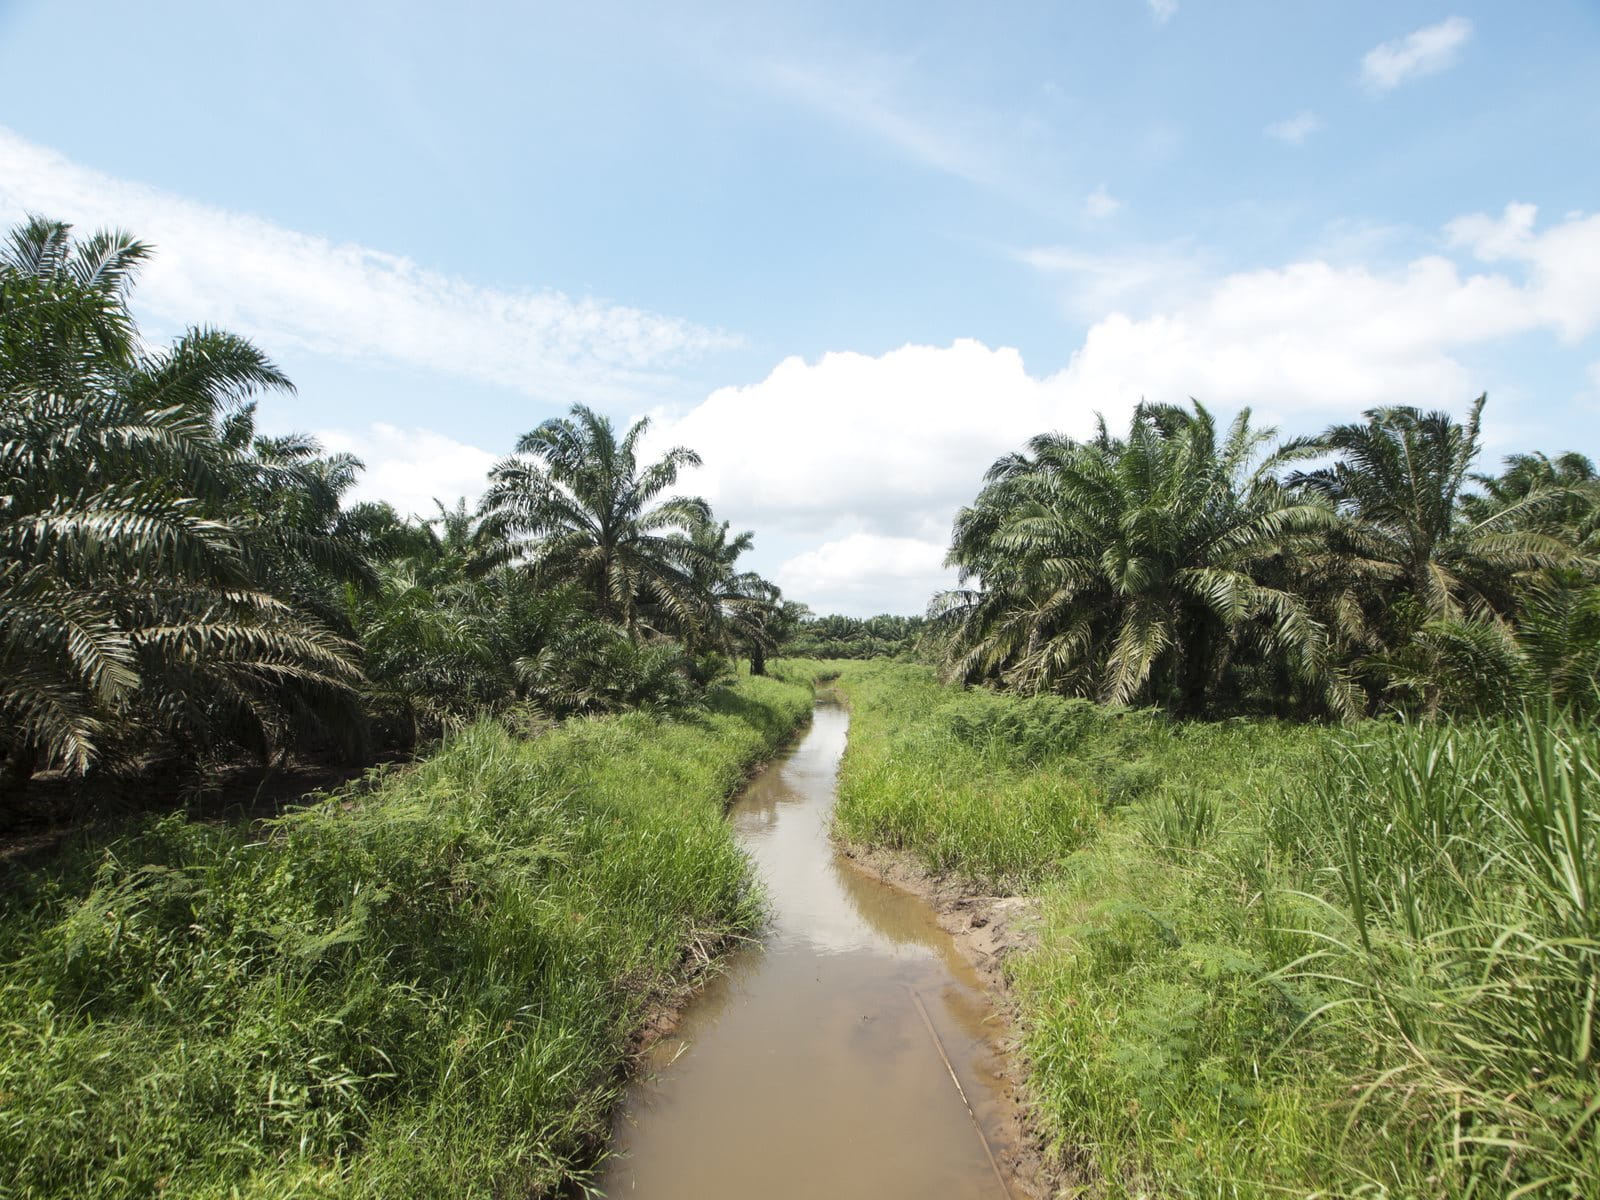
(1424, 51)
(285, 288)
(1100, 203)
(1163, 10)
(411, 468)
(859, 463)
(1563, 262)
(854, 443)
(1303, 341)
(1293, 131)
(866, 573)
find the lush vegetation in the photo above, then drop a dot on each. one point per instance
(424, 985)
(803, 634)
(423, 988)
(1341, 942)
(932, 770)
(1273, 959)
(174, 585)
(1191, 568)
(1304, 953)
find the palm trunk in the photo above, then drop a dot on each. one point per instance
(758, 659)
(1196, 672)
(1432, 698)
(16, 771)
(1219, 669)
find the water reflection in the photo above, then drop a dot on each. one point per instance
(805, 1069)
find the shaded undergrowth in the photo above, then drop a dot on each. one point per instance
(426, 989)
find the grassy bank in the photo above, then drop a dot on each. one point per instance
(427, 991)
(1274, 960)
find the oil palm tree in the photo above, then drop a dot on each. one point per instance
(1564, 492)
(1436, 575)
(1137, 569)
(574, 504)
(741, 605)
(1401, 479)
(137, 602)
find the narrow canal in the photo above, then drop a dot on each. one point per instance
(820, 1064)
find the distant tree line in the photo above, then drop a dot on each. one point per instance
(806, 635)
(1212, 571)
(174, 585)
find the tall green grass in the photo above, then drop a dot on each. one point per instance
(425, 990)
(1273, 960)
(974, 782)
(1464, 938)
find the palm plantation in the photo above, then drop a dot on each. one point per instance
(146, 579)
(1199, 573)
(173, 584)
(1310, 954)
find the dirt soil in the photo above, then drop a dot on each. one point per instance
(986, 930)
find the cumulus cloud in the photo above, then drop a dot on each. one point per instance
(855, 443)
(1563, 262)
(863, 573)
(284, 288)
(864, 459)
(1293, 131)
(1425, 51)
(411, 468)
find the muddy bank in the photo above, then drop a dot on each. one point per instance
(986, 930)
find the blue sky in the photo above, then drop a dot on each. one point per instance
(851, 253)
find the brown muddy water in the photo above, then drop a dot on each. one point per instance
(808, 1069)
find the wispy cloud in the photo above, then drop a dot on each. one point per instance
(1138, 278)
(1163, 10)
(865, 100)
(1424, 51)
(286, 288)
(1100, 203)
(871, 96)
(1293, 131)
